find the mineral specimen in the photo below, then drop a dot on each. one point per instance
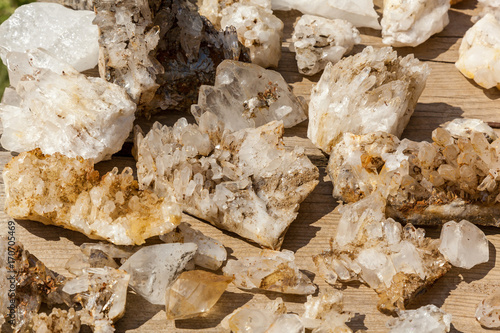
(478, 53)
(318, 41)
(488, 311)
(324, 313)
(194, 293)
(58, 321)
(210, 254)
(399, 263)
(463, 244)
(453, 178)
(270, 270)
(374, 90)
(247, 95)
(66, 34)
(244, 181)
(95, 255)
(55, 189)
(487, 7)
(428, 318)
(154, 268)
(410, 23)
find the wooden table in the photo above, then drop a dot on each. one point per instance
(448, 95)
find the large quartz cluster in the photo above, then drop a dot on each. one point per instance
(374, 90)
(243, 181)
(428, 318)
(68, 192)
(247, 95)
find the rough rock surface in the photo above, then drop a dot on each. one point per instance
(427, 318)
(488, 311)
(58, 321)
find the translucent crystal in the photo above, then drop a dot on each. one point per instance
(318, 41)
(68, 192)
(194, 293)
(66, 34)
(374, 90)
(271, 270)
(427, 318)
(487, 7)
(410, 23)
(154, 268)
(488, 311)
(324, 313)
(247, 95)
(58, 321)
(95, 255)
(212, 9)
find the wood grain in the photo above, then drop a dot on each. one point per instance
(448, 95)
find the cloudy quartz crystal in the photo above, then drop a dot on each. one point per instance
(247, 95)
(427, 318)
(324, 313)
(488, 311)
(318, 41)
(243, 181)
(374, 90)
(487, 7)
(410, 23)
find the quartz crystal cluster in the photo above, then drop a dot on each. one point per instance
(68, 192)
(478, 53)
(212, 9)
(453, 178)
(374, 90)
(270, 270)
(318, 41)
(247, 95)
(324, 313)
(410, 23)
(428, 318)
(243, 181)
(58, 321)
(488, 311)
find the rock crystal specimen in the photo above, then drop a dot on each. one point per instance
(398, 262)
(427, 318)
(212, 9)
(453, 178)
(410, 23)
(324, 313)
(66, 34)
(58, 321)
(247, 95)
(478, 53)
(68, 192)
(270, 270)
(374, 90)
(244, 181)
(361, 13)
(318, 41)
(488, 311)
(194, 293)
(487, 7)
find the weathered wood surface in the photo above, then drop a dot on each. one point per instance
(448, 95)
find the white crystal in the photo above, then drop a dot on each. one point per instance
(428, 319)
(154, 268)
(66, 34)
(246, 95)
(374, 90)
(410, 23)
(478, 53)
(488, 311)
(487, 7)
(95, 255)
(212, 9)
(361, 13)
(464, 127)
(317, 41)
(324, 313)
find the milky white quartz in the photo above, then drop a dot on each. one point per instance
(247, 95)
(270, 270)
(479, 53)
(488, 311)
(318, 41)
(57, 321)
(428, 319)
(361, 13)
(154, 268)
(487, 7)
(412, 22)
(374, 90)
(67, 34)
(212, 9)
(324, 313)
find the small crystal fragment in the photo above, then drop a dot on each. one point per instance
(410, 23)
(68, 192)
(318, 41)
(427, 318)
(247, 96)
(58, 321)
(154, 268)
(324, 313)
(194, 293)
(374, 90)
(271, 270)
(487, 7)
(95, 255)
(488, 311)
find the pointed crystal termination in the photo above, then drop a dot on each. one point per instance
(244, 181)
(399, 263)
(154, 268)
(318, 41)
(324, 313)
(63, 191)
(248, 96)
(194, 293)
(427, 318)
(374, 90)
(58, 321)
(271, 270)
(453, 178)
(488, 311)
